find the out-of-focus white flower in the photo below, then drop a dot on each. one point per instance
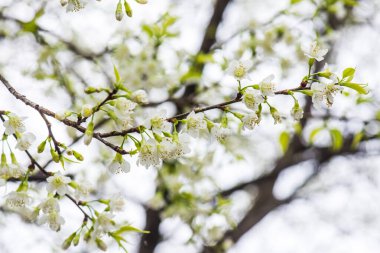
(54, 220)
(86, 110)
(58, 183)
(117, 203)
(123, 107)
(119, 165)
(124, 123)
(275, 115)
(148, 155)
(252, 98)
(158, 122)
(140, 96)
(83, 189)
(49, 205)
(195, 122)
(25, 141)
(297, 112)
(314, 51)
(16, 170)
(182, 141)
(17, 199)
(323, 92)
(104, 223)
(14, 124)
(220, 133)
(239, 69)
(74, 5)
(166, 148)
(250, 120)
(267, 86)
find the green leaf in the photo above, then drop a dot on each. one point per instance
(356, 140)
(129, 228)
(348, 74)
(295, 1)
(360, 88)
(117, 75)
(336, 139)
(284, 141)
(306, 92)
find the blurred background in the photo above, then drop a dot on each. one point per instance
(309, 193)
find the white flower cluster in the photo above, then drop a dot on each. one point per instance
(15, 125)
(51, 215)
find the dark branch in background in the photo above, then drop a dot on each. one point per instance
(149, 241)
(265, 201)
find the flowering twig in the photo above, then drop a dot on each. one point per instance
(47, 112)
(47, 174)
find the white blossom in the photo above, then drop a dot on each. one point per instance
(123, 107)
(86, 110)
(58, 184)
(148, 155)
(14, 124)
(220, 133)
(157, 121)
(104, 223)
(267, 86)
(195, 122)
(49, 205)
(250, 120)
(18, 199)
(117, 203)
(140, 96)
(182, 142)
(324, 93)
(239, 69)
(74, 5)
(16, 170)
(166, 148)
(119, 165)
(124, 123)
(297, 112)
(54, 220)
(314, 51)
(276, 115)
(252, 98)
(25, 141)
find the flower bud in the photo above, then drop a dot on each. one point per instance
(66, 244)
(142, 1)
(54, 155)
(89, 133)
(76, 240)
(119, 11)
(78, 156)
(41, 147)
(128, 9)
(101, 244)
(64, 2)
